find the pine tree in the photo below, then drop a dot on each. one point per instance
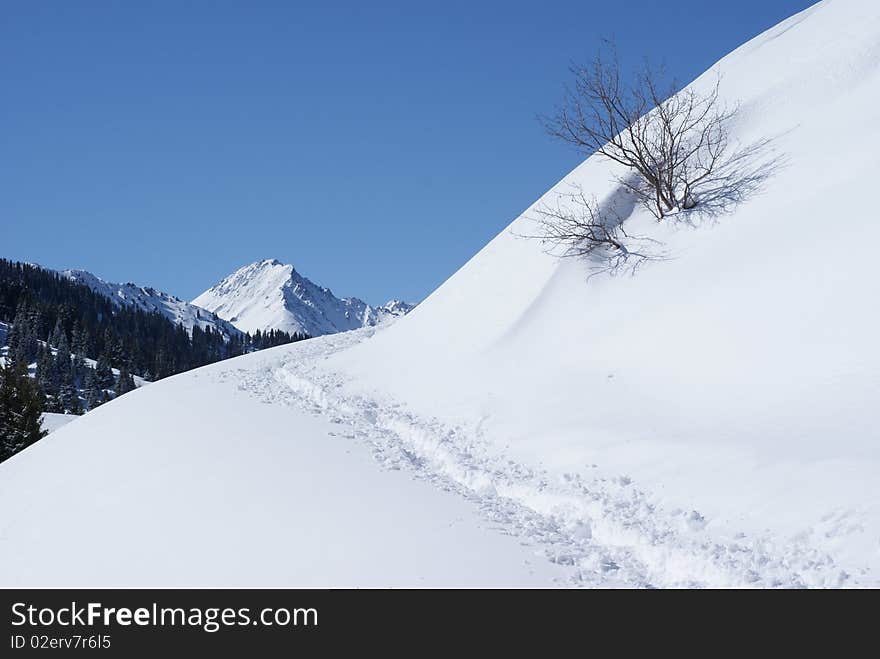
(79, 341)
(57, 334)
(77, 369)
(68, 398)
(62, 356)
(103, 372)
(94, 396)
(49, 379)
(21, 407)
(78, 347)
(22, 340)
(124, 383)
(47, 376)
(113, 348)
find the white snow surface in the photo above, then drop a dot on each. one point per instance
(271, 295)
(224, 476)
(53, 421)
(149, 299)
(735, 383)
(709, 421)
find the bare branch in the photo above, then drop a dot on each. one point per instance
(677, 142)
(576, 225)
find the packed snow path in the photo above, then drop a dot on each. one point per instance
(604, 530)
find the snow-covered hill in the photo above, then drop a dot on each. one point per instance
(149, 299)
(738, 378)
(710, 421)
(206, 484)
(271, 295)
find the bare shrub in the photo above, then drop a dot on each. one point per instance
(675, 146)
(577, 225)
(677, 142)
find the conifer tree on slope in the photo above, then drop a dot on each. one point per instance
(48, 379)
(47, 375)
(94, 396)
(62, 358)
(124, 383)
(21, 407)
(68, 398)
(22, 340)
(103, 372)
(79, 342)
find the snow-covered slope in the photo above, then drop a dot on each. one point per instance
(149, 299)
(53, 421)
(271, 295)
(200, 483)
(740, 377)
(710, 421)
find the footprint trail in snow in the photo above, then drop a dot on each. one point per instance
(603, 529)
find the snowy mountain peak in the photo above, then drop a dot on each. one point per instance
(269, 294)
(147, 298)
(397, 307)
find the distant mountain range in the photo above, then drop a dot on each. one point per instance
(149, 299)
(270, 294)
(263, 295)
(120, 330)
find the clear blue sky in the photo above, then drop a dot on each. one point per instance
(375, 145)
